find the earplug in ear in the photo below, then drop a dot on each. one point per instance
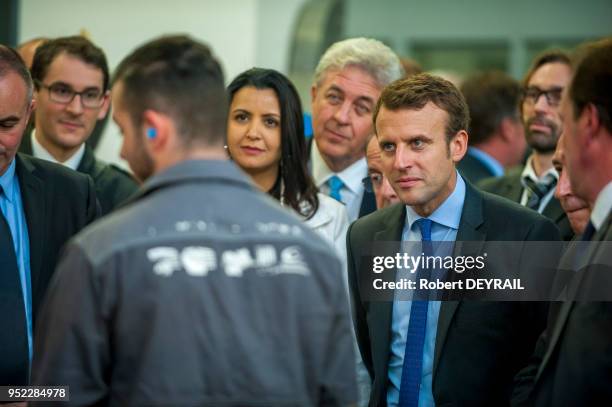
(151, 132)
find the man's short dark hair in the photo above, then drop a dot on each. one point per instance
(592, 81)
(547, 57)
(491, 97)
(10, 61)
(180, 77)
(418, 90)
(77, 46)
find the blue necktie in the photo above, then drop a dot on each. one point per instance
(14, 354)
(335, 185)
(415, 340)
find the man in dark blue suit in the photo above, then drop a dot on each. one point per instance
(430, 352)
(42, 205)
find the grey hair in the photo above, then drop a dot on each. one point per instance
(368, 54)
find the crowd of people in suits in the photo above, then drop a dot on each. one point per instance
(231, 266)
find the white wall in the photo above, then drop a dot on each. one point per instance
(242, 33)
(275, 24)
(402, 22)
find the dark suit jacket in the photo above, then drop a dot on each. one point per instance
(473, 170)
(368, 202)
(480, 346)
(113, 185)
(57, 203)
(509, 186)
(573, 360)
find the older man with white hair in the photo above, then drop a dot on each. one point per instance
(347, 83)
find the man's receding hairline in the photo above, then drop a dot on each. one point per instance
(416, 109)
(336, 69)
(78, 58)
(410, 108)
(535, 71)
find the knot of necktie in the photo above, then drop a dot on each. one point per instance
(424, 225)
(335, 185)
(536, 190)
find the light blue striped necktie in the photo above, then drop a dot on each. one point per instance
(335, 185)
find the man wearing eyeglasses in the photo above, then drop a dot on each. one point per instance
(533, 185)
(71, 81)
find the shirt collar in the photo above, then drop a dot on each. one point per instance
(449, 213)
(40, 152)
(529, 172)
(7, 181)
(602, 207)
(351, 176)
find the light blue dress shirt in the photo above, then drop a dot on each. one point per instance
(491, 163)
(12, 209)
(444, 229)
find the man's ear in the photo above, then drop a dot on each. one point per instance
(589, 123)
(31, 107)
(509, 130)
(458, 146)
(105, 105)
(156, 128)
(313, 92)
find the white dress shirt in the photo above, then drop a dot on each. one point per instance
(602, 207)
(352, 190)
(529, 172)
(39, 151)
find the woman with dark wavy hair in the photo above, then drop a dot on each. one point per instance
(265, 137)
